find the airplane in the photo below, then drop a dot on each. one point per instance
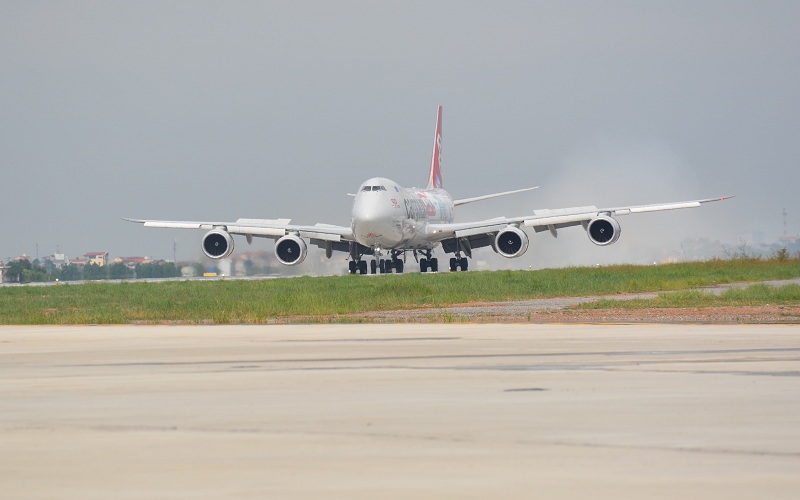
(390, 220)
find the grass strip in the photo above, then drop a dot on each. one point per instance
(264, 301)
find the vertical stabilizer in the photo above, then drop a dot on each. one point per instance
(435, 175)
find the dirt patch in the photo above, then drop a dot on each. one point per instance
(514, 313)
(718, 315)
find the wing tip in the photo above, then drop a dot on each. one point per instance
(721, 198)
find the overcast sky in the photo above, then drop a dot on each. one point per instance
(219, 110)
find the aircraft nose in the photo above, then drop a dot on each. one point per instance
(366, 214)
(372, 219)
(366, 211)
(371, 206)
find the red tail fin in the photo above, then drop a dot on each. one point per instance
(435, 175)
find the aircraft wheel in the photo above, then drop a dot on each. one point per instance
(373, 267)
(362, 267)
(423, 265)
(453, 264)
(398, 265)
(352, 266)
(464, 264)
(434, 263)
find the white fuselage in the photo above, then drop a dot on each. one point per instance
(387, 216)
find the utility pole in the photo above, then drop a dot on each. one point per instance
(175, 251)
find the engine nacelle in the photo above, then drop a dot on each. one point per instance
(217, 244)
(511, 242)
(291, 250)
(603, 230)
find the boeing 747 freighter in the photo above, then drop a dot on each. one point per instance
(388, 221)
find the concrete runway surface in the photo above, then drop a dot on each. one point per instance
(400, 411)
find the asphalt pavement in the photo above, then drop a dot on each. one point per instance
(400, 411)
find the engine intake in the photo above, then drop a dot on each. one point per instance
(217, 244)
(291, 250)
(603, 230)
(511, 242)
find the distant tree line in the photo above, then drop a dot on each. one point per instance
(25, 271)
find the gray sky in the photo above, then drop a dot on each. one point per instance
(220, 110)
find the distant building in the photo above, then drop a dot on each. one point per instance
(132, 261)
(78, 262)
(58, 260)
(3, 270)
(97, 258)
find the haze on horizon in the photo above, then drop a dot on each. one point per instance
(214, 111)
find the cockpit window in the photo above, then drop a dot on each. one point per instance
(373, 188)
(367, 188)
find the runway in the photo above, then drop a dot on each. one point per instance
(400, 411)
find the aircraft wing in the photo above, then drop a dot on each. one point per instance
(263, 228)
(548, 219)
(478, 232)
(464, 201)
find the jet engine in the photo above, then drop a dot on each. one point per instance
(511, 242)
(603, 230)
(217, 244)
(291, 250)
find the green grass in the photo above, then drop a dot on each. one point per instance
(265, 301)
(754, 295)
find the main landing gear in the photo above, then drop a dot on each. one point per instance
(456, 262)
(358, 266)
(432, 264)
(428, 263)
(382, 266)
(462, 245)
